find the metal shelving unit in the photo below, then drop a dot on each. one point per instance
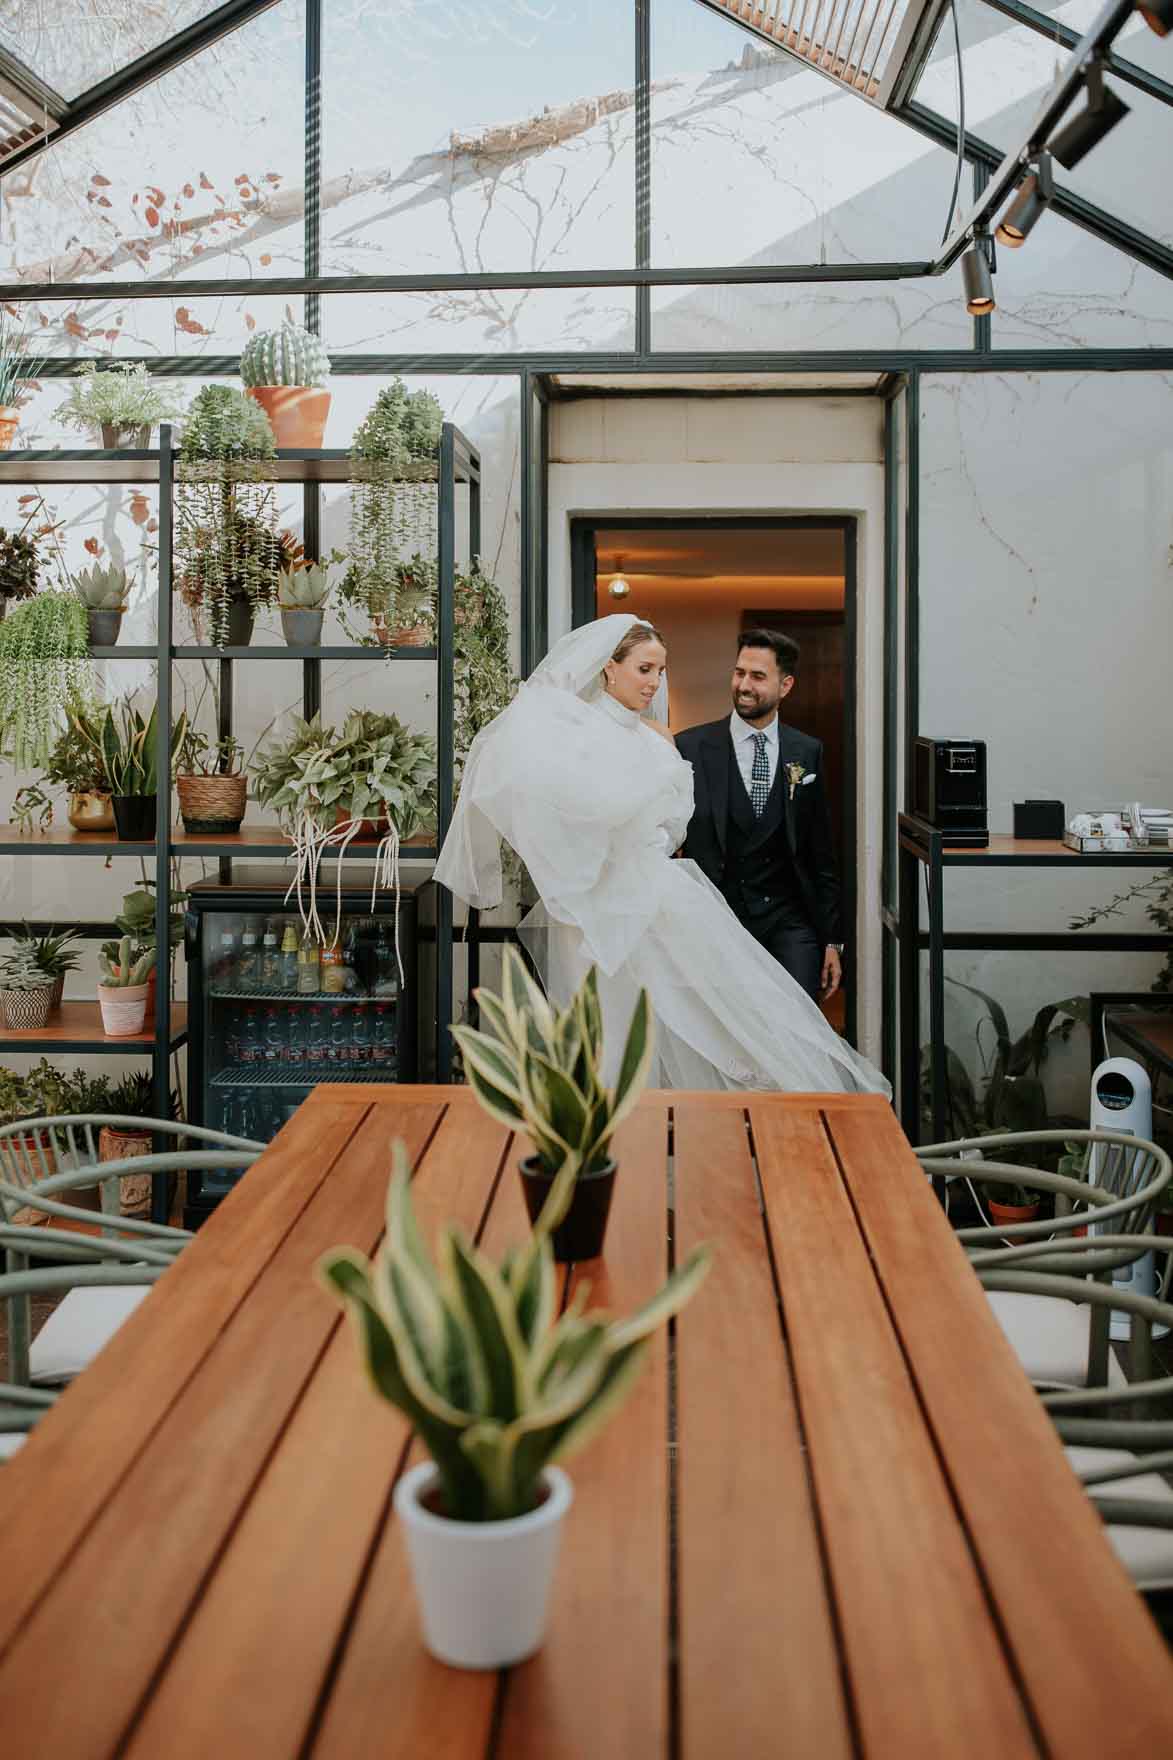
(458, 465)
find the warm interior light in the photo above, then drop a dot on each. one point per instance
(619, 588)
(1027, 207)
(979, 283)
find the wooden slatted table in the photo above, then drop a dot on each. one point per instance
(832, 1521)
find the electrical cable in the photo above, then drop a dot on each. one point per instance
(960, 122)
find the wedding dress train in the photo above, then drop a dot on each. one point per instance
(595, 802)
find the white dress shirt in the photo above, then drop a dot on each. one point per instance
(743, 746)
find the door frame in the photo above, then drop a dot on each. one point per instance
(584, 530)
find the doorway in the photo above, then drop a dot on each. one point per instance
(701, 581)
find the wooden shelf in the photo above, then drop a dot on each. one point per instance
(355, 651)
(270, 840)
(63, 840)
(78, 1027)
(1040, 852)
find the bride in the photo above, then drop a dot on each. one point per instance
(595, 800)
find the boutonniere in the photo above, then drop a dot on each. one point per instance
(795, 773)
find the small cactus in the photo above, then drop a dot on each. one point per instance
(291, 355)
(304, 589)
(102, 589)
(126, 972)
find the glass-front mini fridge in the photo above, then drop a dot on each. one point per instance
(272, 1011)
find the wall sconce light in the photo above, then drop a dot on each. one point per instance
(620, 588)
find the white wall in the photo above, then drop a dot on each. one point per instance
(748, 456)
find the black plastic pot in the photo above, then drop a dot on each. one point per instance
(134, 816)
(104, 628)
(581, 1232)
(240, 623)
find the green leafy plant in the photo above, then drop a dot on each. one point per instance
(1013, 1095)
(394, 498)
(197, 755)
(496, 1384)
(374, 765)
(122, 395)
(537, 1070)
(137, 920)
(125, 971)
(44, 668)
(19, 564)
(1157, 892)
(291, 355)
(484, 679)
(227, 547)
(75, 766)
(126, 746)
(17, 364)
(32, 809)
(304, 589)
(102, 589)
(133, 1096)
(21, 970)
(39, 1092)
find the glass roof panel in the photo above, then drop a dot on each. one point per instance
(74, 44)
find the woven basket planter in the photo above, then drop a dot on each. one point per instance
(212, 803)
(26, 1010)
(416, 635)
(124, 1009)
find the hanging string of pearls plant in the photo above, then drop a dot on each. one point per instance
(394, 505)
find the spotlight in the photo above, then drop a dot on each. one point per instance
(1104, 110)
(1158, 15)
(1028, 206)
(979, 285)
(619, 588)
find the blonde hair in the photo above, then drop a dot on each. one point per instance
(637, 635)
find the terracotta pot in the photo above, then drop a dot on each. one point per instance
(9, 419)
(1005, 1214)
(134, 1189)
(124, 1009)
(91, 812)
(118, 439)
(297, 412)
(212, 803)
(369, 830)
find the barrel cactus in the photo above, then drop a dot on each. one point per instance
(291, 355)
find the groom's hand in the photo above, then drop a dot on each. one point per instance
(832, 972)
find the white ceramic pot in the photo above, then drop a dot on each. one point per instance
(124, 1009)
(483, 1587)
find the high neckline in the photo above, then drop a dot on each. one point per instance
(623, 716)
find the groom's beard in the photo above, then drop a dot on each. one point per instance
(755, 708)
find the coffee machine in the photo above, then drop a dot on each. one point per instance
(949, 789)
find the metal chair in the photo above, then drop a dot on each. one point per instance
(105, 1267)
(20, 1407)
(1122, 1461)
(1058, 1344)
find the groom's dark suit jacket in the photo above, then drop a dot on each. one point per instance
(783, 860)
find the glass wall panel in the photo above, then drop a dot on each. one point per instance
(88, 329)
(75, 44)
(756, 158)
(533, 320)
(478, 136)
(199, 175)
(1066, 289)
(922, 313)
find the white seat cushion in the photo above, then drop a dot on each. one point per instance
(1145, 1553)
(10, 1441)
(1050, 1338)
(77, 1329)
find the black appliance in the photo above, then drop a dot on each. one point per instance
(1042, 819)
(265, 1025)
(949, 789)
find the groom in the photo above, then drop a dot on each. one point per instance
(761, 829)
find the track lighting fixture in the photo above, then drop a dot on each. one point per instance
(979, 283)
(1028, 206)
(1101, 114)
(1158, 15)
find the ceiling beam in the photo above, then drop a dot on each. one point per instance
(1055, 32)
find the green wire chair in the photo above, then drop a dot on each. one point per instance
(41, 1161)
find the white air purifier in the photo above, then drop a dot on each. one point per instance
(1122, 1100)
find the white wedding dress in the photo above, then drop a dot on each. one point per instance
(595, 803)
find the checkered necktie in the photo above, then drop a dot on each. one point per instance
(759, 776)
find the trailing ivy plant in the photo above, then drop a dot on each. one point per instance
(484, 680)
(45, 671)
(393, 493)
(227, 547)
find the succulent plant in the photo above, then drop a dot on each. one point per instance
(53, 950)
(304, 589)
(19, 563)
(291, 355)
(102, 589)
(125, 971)
(495, 1382)
(123, 395)
(21, 970)
(224, 424)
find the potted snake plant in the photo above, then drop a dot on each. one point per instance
(122, 991)
(103, 592)
(285, 371)
(537, 1071)
(499, 1386)
(125, 744)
